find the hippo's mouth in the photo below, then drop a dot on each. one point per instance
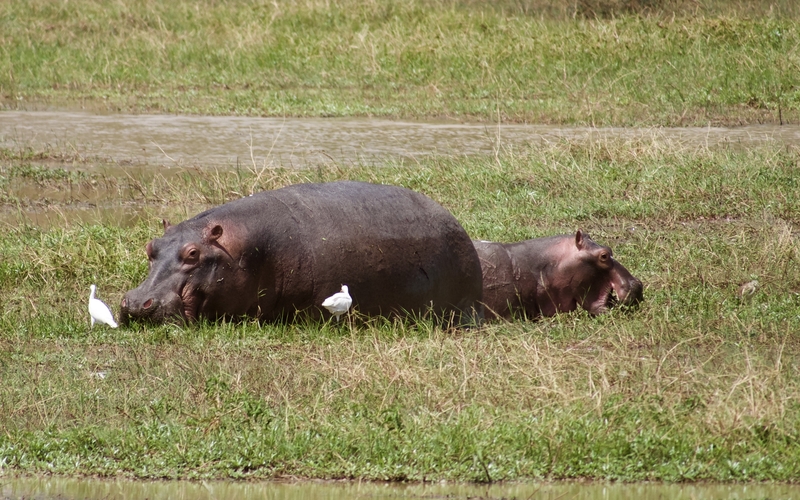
(191, 298)
(611, 298)
(617, 295)
(606, 299)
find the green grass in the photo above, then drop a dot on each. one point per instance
(697, 384)
(711, 62)
(694, 385)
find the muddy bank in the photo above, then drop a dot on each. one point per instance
(248, 142)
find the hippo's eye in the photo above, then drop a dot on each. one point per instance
(603, 256)
(191, 255)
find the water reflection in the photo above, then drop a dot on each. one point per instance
(68, 489)
(297, 142)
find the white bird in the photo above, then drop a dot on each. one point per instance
(99, 311)
(338, 303)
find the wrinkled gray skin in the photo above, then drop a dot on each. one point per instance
(545, 276)
(280, 253)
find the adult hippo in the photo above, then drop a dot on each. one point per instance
(279, 253)
(544, 276)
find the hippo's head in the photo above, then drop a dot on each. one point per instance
(187, 270)
(597, 280)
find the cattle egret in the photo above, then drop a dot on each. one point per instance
(99, 311)
(338, 303)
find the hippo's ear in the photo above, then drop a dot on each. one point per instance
(166, 225)
(213, 233)
(148, 249)
(579, 239)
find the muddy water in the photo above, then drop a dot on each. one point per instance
(134, 145)
(298, 142)
(69, 489)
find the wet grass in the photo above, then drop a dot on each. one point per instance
(591, 62)
(698, 384)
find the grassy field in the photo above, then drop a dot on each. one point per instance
(695, 385)
(597, 62)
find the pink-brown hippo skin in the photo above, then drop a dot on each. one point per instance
(545, 276)
(277, 254)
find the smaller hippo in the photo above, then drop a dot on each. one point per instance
(545, 276)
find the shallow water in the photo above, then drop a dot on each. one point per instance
(133, 145)
(69, 489)
(299, 142)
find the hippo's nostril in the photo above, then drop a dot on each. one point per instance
(147, 304)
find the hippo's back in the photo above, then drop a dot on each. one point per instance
(397, 250)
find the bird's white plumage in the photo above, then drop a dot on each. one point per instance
(100, 312)
(338, 303)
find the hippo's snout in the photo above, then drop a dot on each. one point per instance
(138, 306)
(627, 287)
(147, 304)
(632, 293)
